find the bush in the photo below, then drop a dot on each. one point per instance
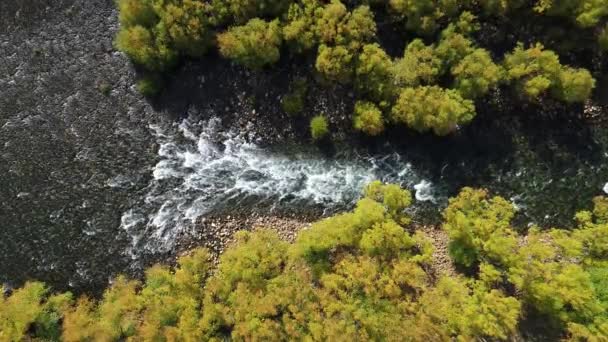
(586, 13)
(293, 102)
(423, 16)
(432, 108)
(368, 118)
(419, 65)
(253, 45)
(319, 128)
(150, 86)
(241, 11)
(136, 12)
(479, 228)
(143, 48)
(537, 71)
(476, 74)
(335, 63)
(335, 25)
(299, 29)
(374, 73)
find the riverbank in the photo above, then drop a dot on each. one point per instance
(80, 150)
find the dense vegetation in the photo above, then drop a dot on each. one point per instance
(442, 63)
(361, 275)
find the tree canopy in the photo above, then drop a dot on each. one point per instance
(366, 274)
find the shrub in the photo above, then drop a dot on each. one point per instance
(105, 88)
(586, 13)
(335, 25)
(432, 108)
(374, 73)
(136, 12)
(253, 45)
(293, 102)
(368, 118)
(419, 65)
(479, 228)
(319, 128)
(241, 11)
(423, 16)
(537, 71)
(476, 74)
(143, 48)
(299, 29)
(150, 86)
(335, 63)
(186, 24)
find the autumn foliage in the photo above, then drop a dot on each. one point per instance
(362, 275)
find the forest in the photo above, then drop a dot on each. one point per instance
(367, 274)
(432, 86)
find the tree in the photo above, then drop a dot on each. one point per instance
(187, 25)
(455, 308)
(585, 13)
(432, 108)
(419, 65)
(299, 29)
(253, 45)
(319, 128)
(374, 73)
(423, 16)
(335, 25)
(537, 71)
(30, 310)
(141, 46)
(241, 11)
(136, 12)
(479, 228)
(335, 63)
(476, 74)
(368, 118)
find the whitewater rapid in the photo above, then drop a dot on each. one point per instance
(203, 169)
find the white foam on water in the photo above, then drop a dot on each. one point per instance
(424, 191)
(201, 168)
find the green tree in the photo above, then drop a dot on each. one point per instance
(476, 74)
(254, 45)
(479, 228)
(299, 29)
(432, 108)
(419, 65)
(143, 47)
(423, 16)
(536, 71)
(586, 13)
(30, 311)
(241, 11)
(374, 73)
(335, 63)
(368, 118)
(335, 25)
